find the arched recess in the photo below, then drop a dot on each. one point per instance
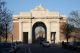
(33, 30)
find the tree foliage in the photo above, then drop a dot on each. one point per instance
(5, 19)
(68, 28)
(74, 18)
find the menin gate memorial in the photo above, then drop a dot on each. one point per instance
(29, 27)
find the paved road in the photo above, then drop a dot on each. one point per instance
(40, 49)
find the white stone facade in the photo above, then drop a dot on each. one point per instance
(39, 14)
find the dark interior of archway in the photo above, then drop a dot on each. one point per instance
(33, 30)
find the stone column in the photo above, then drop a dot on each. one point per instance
(20, 31)
(48, 32)
(30, 33)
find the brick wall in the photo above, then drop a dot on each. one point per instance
(15, 30)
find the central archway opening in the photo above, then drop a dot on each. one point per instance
(39, 32)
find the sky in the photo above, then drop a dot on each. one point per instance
(62, 6)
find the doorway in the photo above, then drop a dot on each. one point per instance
(25, 37)
(53, 37)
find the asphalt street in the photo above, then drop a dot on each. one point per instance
(35, 48)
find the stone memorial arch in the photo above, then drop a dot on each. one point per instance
(39, 24)
(26, 24)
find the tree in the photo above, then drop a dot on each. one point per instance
(68, 28)
(74, 18)
(5, 20)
